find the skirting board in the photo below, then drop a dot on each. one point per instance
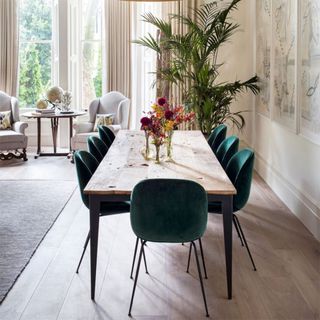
(303, 208)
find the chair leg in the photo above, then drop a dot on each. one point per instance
(24, 152)
(237, 228)
(84, 250)
(189, 259)
(136, 277)
(200, 277)
(245, 242)
(203, 262)
(144, 257)
(134, 258)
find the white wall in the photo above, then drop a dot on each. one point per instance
(288, 162)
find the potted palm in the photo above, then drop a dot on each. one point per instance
(189, 61)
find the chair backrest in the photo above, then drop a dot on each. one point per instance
(216, 136)
(8, 103)
(240, 172)
(97, 147)
(86, 165)
(115, 103)
(106, 135)
(227, 149)
(168, 210)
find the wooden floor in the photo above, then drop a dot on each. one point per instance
(286, 285)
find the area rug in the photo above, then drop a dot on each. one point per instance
(28, 209)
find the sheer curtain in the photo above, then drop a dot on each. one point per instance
(143, 62)
(9, 46)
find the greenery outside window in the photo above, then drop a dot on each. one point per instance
(35, 50)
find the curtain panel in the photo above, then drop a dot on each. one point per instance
(118, 46)
(9, 47)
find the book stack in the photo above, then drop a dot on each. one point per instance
(44, 111)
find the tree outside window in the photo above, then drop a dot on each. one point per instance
(35, 52)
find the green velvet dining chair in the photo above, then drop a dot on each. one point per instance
(97, 147)
(227, 149)
(216, 137)
(106, 135)
(240, 172)
(86, 165)
(168, 211)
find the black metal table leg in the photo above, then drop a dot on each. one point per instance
(38, 138)
(227, 229)
(94, 231)
(70, 132)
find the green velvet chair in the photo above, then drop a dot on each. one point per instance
(97, 148)
(216, 137)
(240, 172)
(170, 211)
(106, 135)
(227, 149)
(86, 165)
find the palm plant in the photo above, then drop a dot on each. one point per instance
(189, 60)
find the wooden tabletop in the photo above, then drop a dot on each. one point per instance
(124, 166)
(34, 114)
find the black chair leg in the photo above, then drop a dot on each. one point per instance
(237, 228)
(144, 257)
(136, 277)
(84, 250)
(203, 262)
(245, 242)
(200, 277)
(189, 259)
(134, 258)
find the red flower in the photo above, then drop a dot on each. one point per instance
(168, 115)
(145, 121)
(162, 101)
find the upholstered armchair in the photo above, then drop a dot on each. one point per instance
(13, 141)
(113, 103)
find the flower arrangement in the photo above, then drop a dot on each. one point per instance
(160, 122)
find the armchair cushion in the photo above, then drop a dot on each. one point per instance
(103, 120)
(11, 140)
(5, 121)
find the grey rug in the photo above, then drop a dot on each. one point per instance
(28, 209)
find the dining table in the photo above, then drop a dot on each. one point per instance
(124, 166)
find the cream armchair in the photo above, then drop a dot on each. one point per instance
(13, 141)
(114, 103)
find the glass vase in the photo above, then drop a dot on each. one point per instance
(169, 145)
(157, 153)
(147, 147)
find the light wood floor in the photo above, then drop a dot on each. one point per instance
(286, 285)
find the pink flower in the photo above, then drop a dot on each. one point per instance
(162, 101)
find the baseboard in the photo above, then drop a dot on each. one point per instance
(304, 208)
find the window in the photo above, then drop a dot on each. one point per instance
(85, 51)
(91, 55)
(36, 50)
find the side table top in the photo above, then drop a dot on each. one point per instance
(34, 114)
